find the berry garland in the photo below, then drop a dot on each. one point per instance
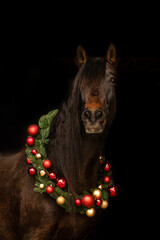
(46, 181)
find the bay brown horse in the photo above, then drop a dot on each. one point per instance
(76, 140)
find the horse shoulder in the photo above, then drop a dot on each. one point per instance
(22, 210)
(8, 208)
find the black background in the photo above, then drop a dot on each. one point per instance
(37, 68)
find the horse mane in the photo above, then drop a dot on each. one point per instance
(66, 128)
(64, 145)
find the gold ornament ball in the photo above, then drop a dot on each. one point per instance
(42, 173)
(60, 200)
(38, 155)
(100, 187)
(41, 186)
(97, 193)
(90, 212)
(104, 204)
(101, 159)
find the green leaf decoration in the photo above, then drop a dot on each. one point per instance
(45, 132)
(40, 145)
(43, 122)
(52, 114)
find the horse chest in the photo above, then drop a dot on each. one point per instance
(41, 213)
(69, 227)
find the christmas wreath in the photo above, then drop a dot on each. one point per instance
(47, 182)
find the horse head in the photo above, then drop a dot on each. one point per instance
(97, 80)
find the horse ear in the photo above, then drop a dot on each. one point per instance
(111, 54)
(81, 56)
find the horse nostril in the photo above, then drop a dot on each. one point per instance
(86, 114)
(99, 115)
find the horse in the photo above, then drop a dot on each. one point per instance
(76, 140)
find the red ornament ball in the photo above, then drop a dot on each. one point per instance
(106, 179)
(32, 171)
(78, 202)
(52, 175)
(112, 190)
(61, 182)
(33, 130)
(88, 200)
(108, 167)
(49, 189)
(34, 151)
(29, 160)
(47, 163)
(98, 202)
(30, 141)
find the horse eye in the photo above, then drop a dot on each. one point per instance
(113, 81)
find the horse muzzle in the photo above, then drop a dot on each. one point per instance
(94, 120)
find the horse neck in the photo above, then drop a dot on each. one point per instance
(91, 149)
(74, 155)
